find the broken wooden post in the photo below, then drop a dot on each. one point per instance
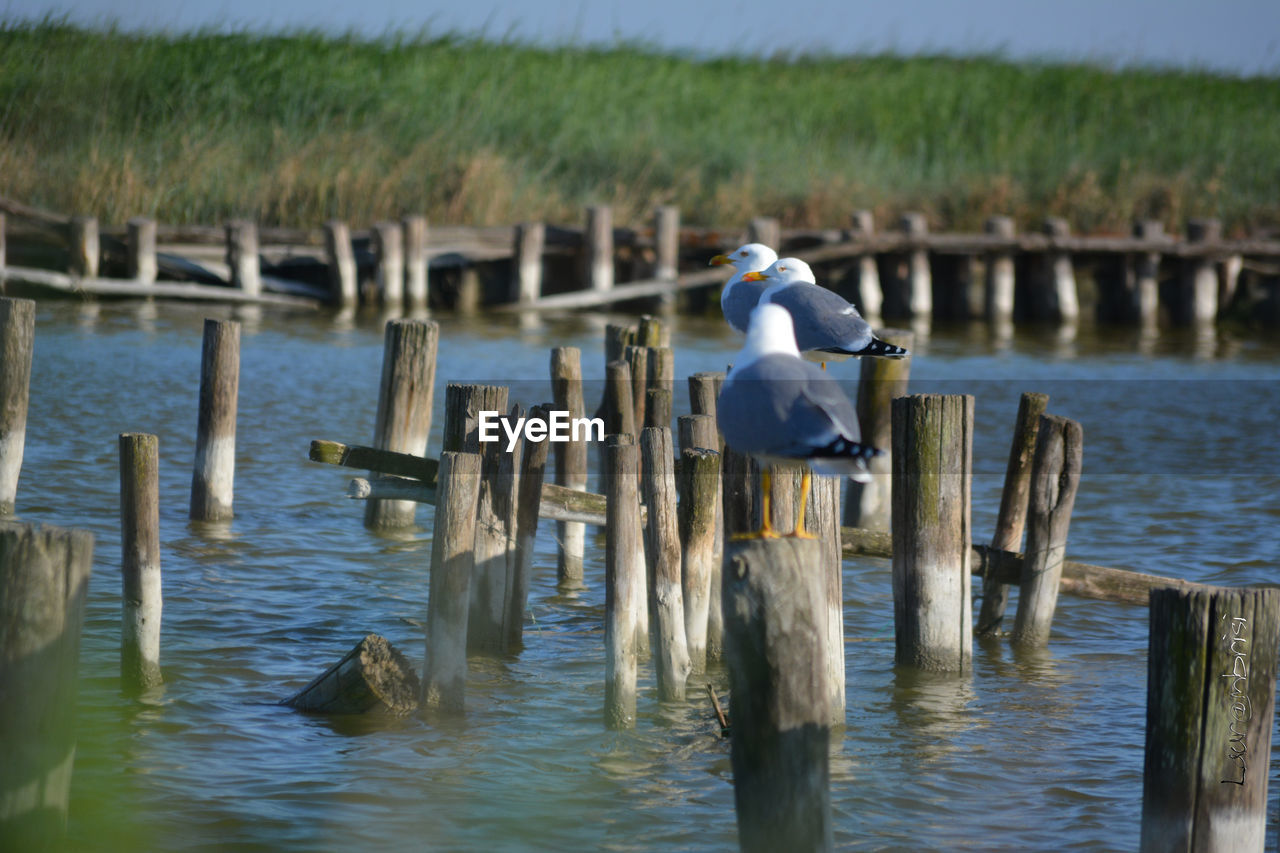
(1061, 301)
(444, 669)
(213, 479)
(1055, 475)
(999, 286)
(1013, 507)
(533, 464)
(17, 340)
(624, 582)
(140, 242)
(388, 253)
(1211, 686)
(526, 280)
(44, 578)
(651, 331)
(919, 283)
(140, 562)
(1200, 275)
(84, 248)
(879, 381)
(870, 294)
(414, 228)
(932, 473)
(571, 462)
(242, 256)
(599, 247)
(662, 548)
(406, 394)
(775, 634)
(373, 676)
(341, 261)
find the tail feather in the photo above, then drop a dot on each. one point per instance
(845, 458)
(883, 349)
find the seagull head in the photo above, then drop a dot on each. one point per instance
(771, 331)
(784, 271)
(752, 256)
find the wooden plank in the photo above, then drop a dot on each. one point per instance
(125, 288)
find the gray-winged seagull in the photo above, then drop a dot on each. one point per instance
(738, 297)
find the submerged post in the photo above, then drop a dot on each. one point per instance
(699, 483)
(662, 548)
(624, 582)
(17, 340)
(879, 381)
(571, 461)
(1200, 275)
(1211, 685)
(140, 561)
(242, 256)
(213, 480)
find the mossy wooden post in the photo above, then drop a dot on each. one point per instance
(1013, 507)
(766, 230)
(374, 677)
(526, 263)
(213, 479)
(651, 331)
(870, 293)
(1200, 275)
(932, 473)
(1211, 685)
(414, 228)
(17, 340)
(405, 399)
(140, 561)
(662, 548)
(1055, 476)
(85, 247)
(599, 247)
(775, 637)
(341, 260)
(533, 464)
(1146, 275)
(444, 669)
(571, 462)
(242, 256)
(919, 291)
(1059, 298)
(704, 621)
(44, 578)
(617, 337)
(1000, 275)
(140, 240)
(867, 505)
(388, 253)
(624, 623)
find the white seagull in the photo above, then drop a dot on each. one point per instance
(739, 296)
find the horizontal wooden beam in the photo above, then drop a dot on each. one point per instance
(126, 288)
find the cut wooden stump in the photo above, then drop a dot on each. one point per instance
(372, 677)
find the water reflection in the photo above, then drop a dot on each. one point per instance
(932, 712)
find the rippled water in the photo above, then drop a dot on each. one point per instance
(1030, 752)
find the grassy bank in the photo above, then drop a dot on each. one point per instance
(296, 128)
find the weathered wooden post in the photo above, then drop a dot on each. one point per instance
(919, 295)
(1146, 284)
(879, 381)
(870, 294)
(526, 284)
(213, 479)
(373, 676)
(704, 391)
(388, 251)
(444, 670)
(2, 245)
(1000, 275)
(619, 410)
(638, 359)
(405, 398)
(659, 386)
(85, 247)
(617, 337)
(140, 238)
(624, 623)
(140, 561)
(652, 332)
(1013, 507)
(703, 619)
(341, 260)
(1059, 297)
(242, 256)
(1211, 685)
(740, 484)
(775, 634)
(571, 461)
(666, 242)
(1200, 275)
(414, 228)
(822, 519)
(766, 230)
(1055, 475)
(17, 340)
(932, 473)
(533, 464)
(662, 548)
(599, 247)
(44, 578)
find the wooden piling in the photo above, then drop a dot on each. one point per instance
(599, 247)
(374, 677)
(662, 548)
(619, 410)
(1055, 475)
(624, 582)
(571, 462)
(444, 669)
(140, 241)
(617, 337)
(775, 633)
(1200, 275)
(638, 359)
(932, 473)
(659, 386)
(17, 340)
(870, 293)
(1000, 272)
(740, 484)
(766, 230)
(2, 243)
(533, 463)
(526, 283)
(1146, 279)
(666, 242)
(1211, 684)
(341, 261)
(867, 505)
(405, 398)
(388, 252)
(699, 486)
(44, 578)
(919, 295)
(140, 562)
(414, 228)
(652, 332)
(213, 479)
(1013, 507)
(85, 247)
(1063, 304)
(242, 256)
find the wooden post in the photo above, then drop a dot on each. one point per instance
(44, 578)
(17, 340)
(530, 240)
(213, 480)
(666, 242)
(388, 251)
(533, 463)
(2, 244)
(1000, 275)
(880, 380)
(1146, 285)
(405, 398)
(619, 410)
(617, 338)
(624, 583)
(870, 294)
(652, 332)
(1064, 304)
(1013, 507)
(662, 548)
(932, 473)
(1200, 278)
(1055, 475)
(702, 599)
(85, 251)
(599, 246)
(822, 518)
(699, 485)
(140, 237)
(414, 227)
(766, 230)
(242, 256)
(444, 670)
(341, 261)
(775, 634)
(373, 676)
(571, 462)
(467, 301)
(919, 278)
(704, 391)
(659, 386)
(638, 358)
(740, 482)
(140, 561)
(1211, 684)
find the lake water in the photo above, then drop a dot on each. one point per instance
(1029, 752)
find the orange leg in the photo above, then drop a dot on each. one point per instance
(805, 485)
(766, 530)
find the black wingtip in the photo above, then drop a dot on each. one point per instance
(883, 349)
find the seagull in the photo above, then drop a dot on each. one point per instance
(828, 328)
(783, 411)
(739, 296)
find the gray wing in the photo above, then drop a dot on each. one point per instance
(781, 406)
(823, 320)
(738, 300)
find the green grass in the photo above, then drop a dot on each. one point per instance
(297, 128)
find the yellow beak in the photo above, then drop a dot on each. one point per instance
(719, 260)
(754, 276)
